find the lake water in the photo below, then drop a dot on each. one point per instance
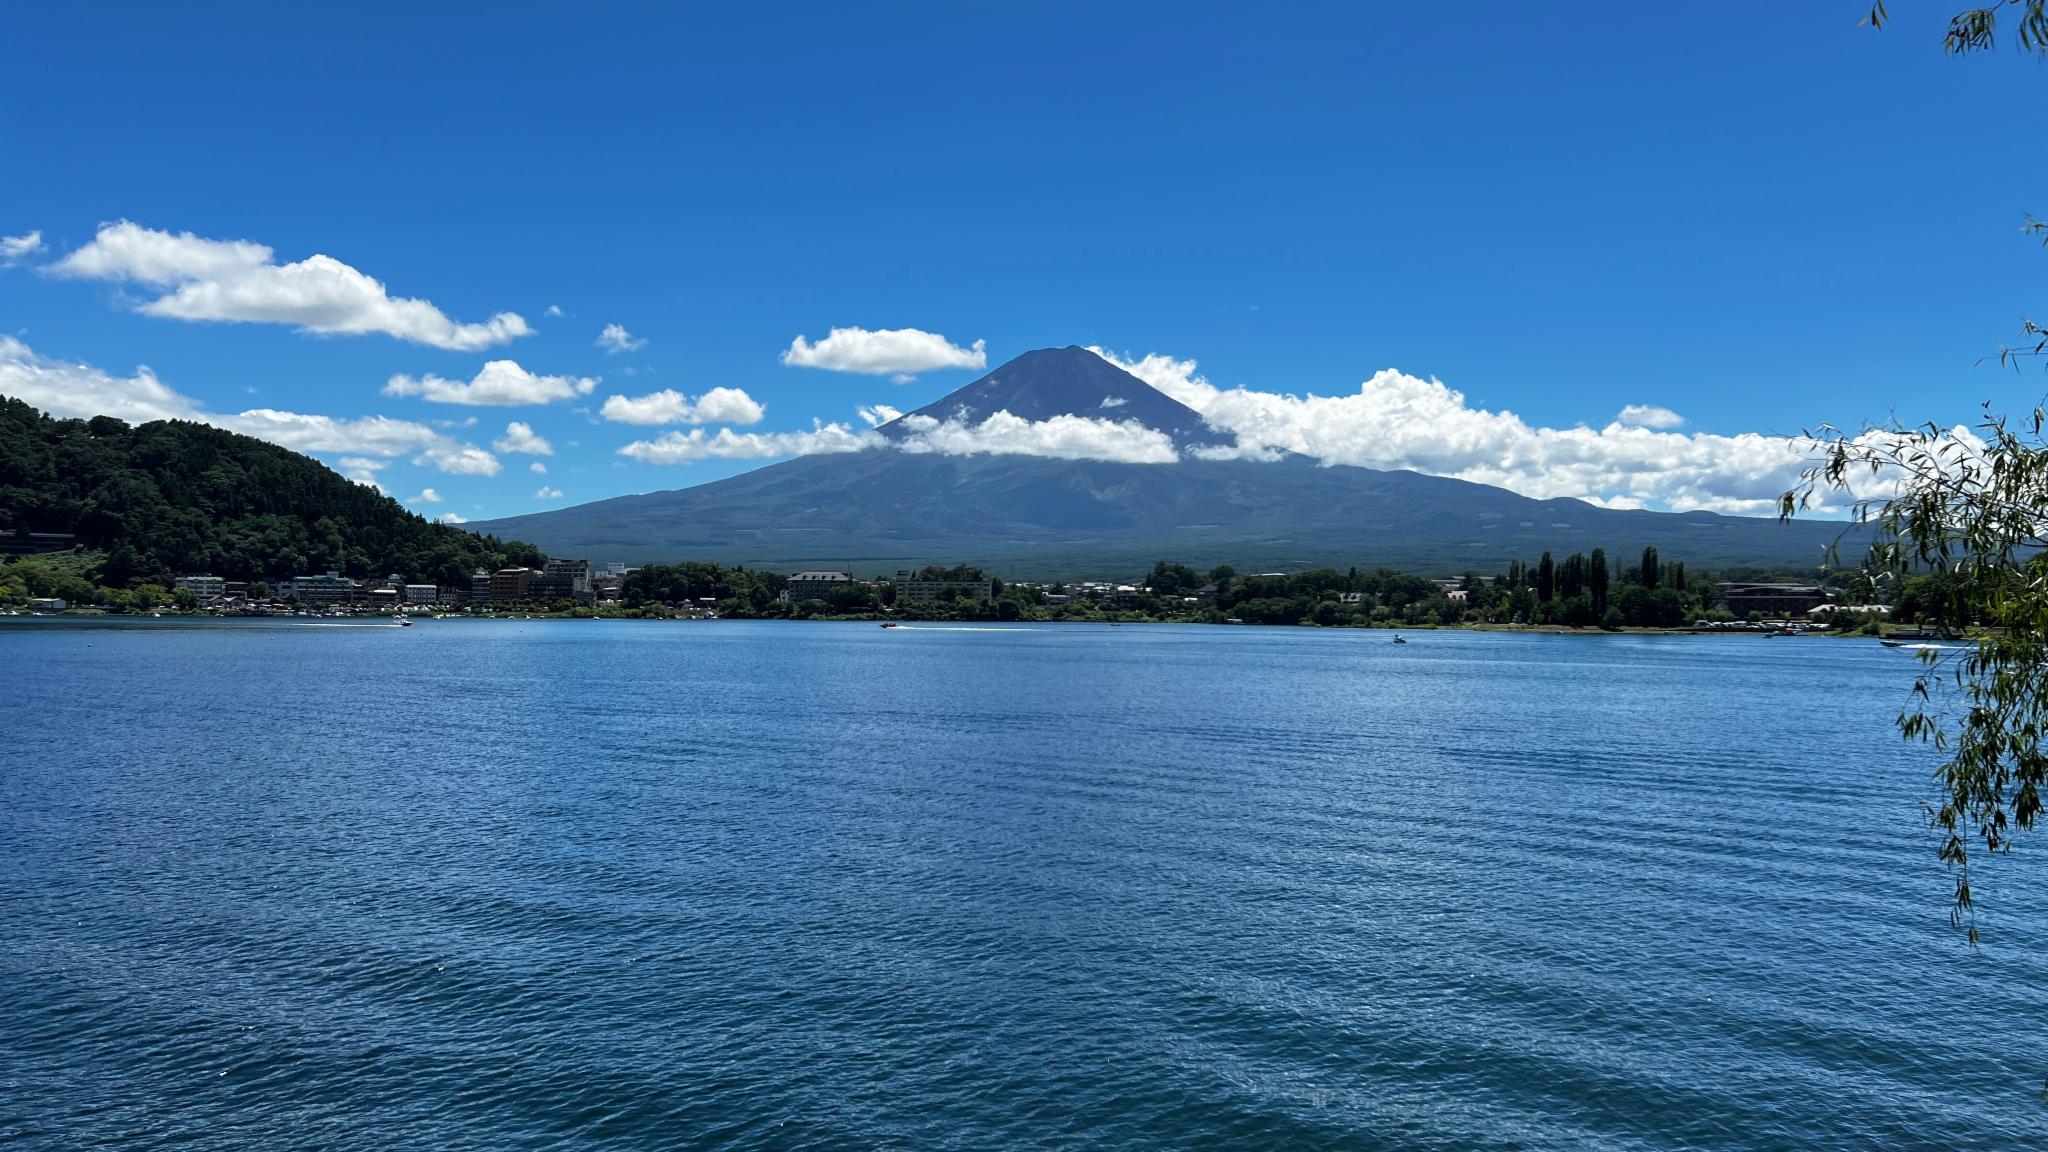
(565, 884)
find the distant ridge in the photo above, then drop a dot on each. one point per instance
(1030, 516)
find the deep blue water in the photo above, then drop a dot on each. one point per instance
(501, 885)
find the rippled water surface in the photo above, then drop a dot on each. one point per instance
(490, 885)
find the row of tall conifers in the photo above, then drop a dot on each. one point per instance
(1585, 589)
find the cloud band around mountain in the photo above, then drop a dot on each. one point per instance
(1059, 438)
(726, 444)
(1397, 421)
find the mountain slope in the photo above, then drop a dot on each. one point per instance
(1035, 517)
(170, 497)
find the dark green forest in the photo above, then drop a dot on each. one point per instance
(171, 497)
(736, 591)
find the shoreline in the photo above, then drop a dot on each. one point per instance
(391, 620)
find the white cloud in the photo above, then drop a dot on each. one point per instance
(1114, 401)
(459, 459)
(367, 435)
(887, 352)
(303, 432)
(15, 249)
(537, 468)
(239, 281)
(522, 439)
(1396, 421)
(80, 390)
(547, 493)
(668, 406)
(501, 383)
(1064, 437)
(426, 496)
(364, 443)
(553, 310)
(362, 470)
(1648, 416)
(682, 448)
(451, 518)
(615, 339)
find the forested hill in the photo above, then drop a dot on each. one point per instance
(171, 497)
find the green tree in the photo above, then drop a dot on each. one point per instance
(1172, 579)
(168, 497)
(1596, 582)
(1971, 509)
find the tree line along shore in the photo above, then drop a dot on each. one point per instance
(1583, 591)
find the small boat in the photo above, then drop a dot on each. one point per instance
(1893, 643)
(1400, 640)
(405, 621)
(891, 624)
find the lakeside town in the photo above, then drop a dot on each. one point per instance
(1581, 592)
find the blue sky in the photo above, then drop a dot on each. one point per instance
(1758, 219)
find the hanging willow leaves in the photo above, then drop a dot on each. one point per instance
(1976, 29)
(1972, 506)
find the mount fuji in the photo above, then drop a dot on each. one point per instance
(904, 501)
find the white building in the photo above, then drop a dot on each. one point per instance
(814, 585)
(914, 589)
(422, 594)
(204, 587)
(567, 577)
(333, 588)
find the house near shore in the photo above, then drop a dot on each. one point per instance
(1771, 600)
(913, 589)
(815, 585)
